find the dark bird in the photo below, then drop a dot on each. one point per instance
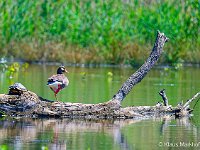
(59, 81)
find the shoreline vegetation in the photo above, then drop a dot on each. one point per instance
(98, 32)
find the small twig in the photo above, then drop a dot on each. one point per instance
(195, 104)
(164, 97)
(185, 106)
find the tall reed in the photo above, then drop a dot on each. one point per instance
(110, 31)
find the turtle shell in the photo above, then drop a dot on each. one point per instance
(17, 89)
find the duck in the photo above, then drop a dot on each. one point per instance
(58, 81)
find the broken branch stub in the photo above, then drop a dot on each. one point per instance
(164, 97)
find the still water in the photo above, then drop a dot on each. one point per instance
(94, 85)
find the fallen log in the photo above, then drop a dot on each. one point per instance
(23, 103)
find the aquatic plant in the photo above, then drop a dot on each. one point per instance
(24, 66)
(14, 68)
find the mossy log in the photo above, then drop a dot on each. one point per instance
(29, 104)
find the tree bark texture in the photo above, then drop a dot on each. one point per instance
(144, 69)
(28, 104)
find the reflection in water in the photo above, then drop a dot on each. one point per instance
(183, 122)
(76, 134)
(95, 85)
(56, 133)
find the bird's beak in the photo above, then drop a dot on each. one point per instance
(66, 71)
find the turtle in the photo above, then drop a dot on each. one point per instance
(17, 89)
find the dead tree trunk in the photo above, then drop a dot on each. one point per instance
(24, 103)
(144, 69)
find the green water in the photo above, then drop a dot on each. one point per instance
(94, 85)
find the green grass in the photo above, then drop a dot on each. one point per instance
(110, 31)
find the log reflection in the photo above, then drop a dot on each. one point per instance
(65, 133)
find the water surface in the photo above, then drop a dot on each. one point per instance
(94, 85)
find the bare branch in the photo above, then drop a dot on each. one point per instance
(187, 104)
(144, 69)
